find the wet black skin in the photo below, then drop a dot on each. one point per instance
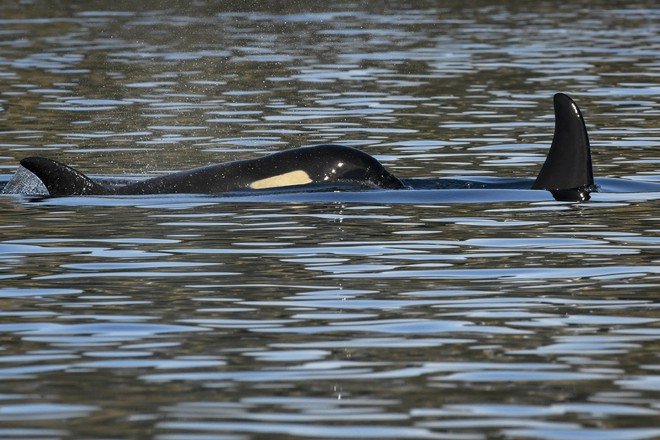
(567, 172)
(322, 163)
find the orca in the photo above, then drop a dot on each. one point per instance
(297, 166)
(567, 172)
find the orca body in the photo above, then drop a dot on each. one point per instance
(567, 171)
(297, 166)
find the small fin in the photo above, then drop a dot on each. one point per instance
(567, 171)
(61, 179)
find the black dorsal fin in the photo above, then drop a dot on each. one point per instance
(61, 179)
(567, 169)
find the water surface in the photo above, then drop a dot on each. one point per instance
(460, 314)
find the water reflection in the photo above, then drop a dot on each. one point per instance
(421, 314)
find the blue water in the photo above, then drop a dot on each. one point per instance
(430, 313)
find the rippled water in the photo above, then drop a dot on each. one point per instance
(459, 314)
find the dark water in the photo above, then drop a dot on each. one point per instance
(458, 314)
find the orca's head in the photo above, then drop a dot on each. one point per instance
(336, 163)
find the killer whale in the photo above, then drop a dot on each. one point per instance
(567, 172)
(293, 167)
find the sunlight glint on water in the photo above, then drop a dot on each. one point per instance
(465, 315)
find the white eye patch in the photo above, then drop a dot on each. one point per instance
(298, 177)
